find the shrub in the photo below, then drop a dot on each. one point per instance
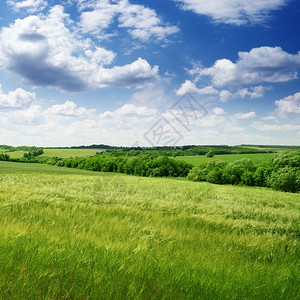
(286, 159)
(285, 179)
(210, 154)
(215, 176)
(233, 171)
(195, 174)
(248, 178)
(261, 175)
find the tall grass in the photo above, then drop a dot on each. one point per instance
(86, 235)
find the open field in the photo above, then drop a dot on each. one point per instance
(66, 153)
(197, 159)
(63, 153)
(273, 148)
(74, 234)
(16, 154)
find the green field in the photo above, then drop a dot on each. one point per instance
(74, 234)
(197, 159)
(66, 153)
(16, 154)
(63, 153)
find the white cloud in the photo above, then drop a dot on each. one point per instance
(190, 87)
(16, 99)
(225, 95)
(26, 116)
(236, 12)
(69, 109)
(243, 116)
(44, 52)
(269, 118)
(133, 74)
(153, 95)
(252, 92)
(264, 64)
(101, 56)
(275, 127)
(141, 22)
(129, 111)
(290, 104)
(219, 111)
(31, 6)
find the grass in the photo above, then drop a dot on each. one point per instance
(16, 154)
(63, 153)
(67, 153)
(74, 234)
(197, 159)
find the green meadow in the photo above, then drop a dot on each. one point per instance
(59, 152)
(66, 153)
(74, 234)
(197, 159)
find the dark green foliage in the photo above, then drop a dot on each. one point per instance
(141, 165)
(282, 172)
(261, 175)
(33, 153)
(210, 154)
(4, 157)
(248, 178)
(233, 172)
(285, 179)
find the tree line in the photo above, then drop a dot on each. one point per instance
(281, 172)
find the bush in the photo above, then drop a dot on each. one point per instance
(210, 154)
(233, 171)
(285, 179)
(286, 159)
(4, 157)
(261, 175)
(248, 178)
(195, 174)
(215, 176)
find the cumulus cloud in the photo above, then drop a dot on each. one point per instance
(69, 109)
(275, 127)
(236, 12)
(263, 64)
(243, 116)
(141, 22)
(31, 6)
(252, 92)
(27, 116)
(190, 87)
(269, 118)
(44, 52)
(16, 99)
(219, 111)
(224, 95)
(290, 104)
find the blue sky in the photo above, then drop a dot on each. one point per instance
(128, 72)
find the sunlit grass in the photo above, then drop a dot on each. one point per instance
(66, 153)
(68, 233)
(197, 159)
